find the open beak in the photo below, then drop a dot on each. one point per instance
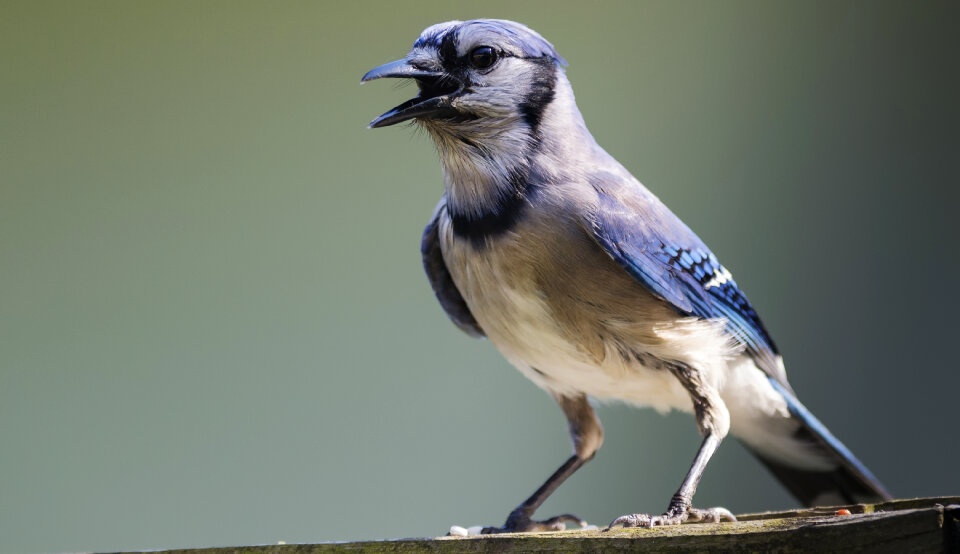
(437, 90)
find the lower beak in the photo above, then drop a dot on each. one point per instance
(432, 102)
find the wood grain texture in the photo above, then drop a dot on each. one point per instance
(917, 525)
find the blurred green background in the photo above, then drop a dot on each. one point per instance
(214, 327)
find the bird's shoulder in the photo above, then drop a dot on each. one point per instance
(438, 274)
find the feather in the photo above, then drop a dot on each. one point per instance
(439, 276)
(665, 256)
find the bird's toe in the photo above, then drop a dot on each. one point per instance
(527, 525)
(675, 516)
(710, 515)
(631, 520)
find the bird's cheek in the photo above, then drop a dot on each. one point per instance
(490, 107)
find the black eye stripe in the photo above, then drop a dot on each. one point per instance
(447, 49)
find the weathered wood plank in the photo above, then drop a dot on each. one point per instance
(917, 525)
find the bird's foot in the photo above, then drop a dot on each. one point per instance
(680, 511)
(520, 522)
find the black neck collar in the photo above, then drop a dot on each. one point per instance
(501, 218)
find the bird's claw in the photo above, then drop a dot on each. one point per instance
(710, 515)
(523, 524)
(675, 516)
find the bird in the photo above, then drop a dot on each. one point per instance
(586, 282)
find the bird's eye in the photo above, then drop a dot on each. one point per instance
(483, 57)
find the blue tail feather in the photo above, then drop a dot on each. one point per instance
(850, 482)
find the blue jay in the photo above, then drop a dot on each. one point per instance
(586, 282)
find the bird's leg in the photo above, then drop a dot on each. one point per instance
(713, 419)
(587, 436)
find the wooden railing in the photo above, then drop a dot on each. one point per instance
(919, 525)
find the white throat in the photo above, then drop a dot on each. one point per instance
(483, 159)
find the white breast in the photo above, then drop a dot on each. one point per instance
(501, 294)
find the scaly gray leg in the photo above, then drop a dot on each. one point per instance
(587, 436)
(713, 419)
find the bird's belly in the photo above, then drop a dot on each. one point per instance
(518, 319)
(530, 340)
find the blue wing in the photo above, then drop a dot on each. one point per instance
(663, 254)
(443, 286)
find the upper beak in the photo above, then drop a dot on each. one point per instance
(399, 68)
(432, 102)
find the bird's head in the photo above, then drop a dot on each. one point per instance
(484, 73)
